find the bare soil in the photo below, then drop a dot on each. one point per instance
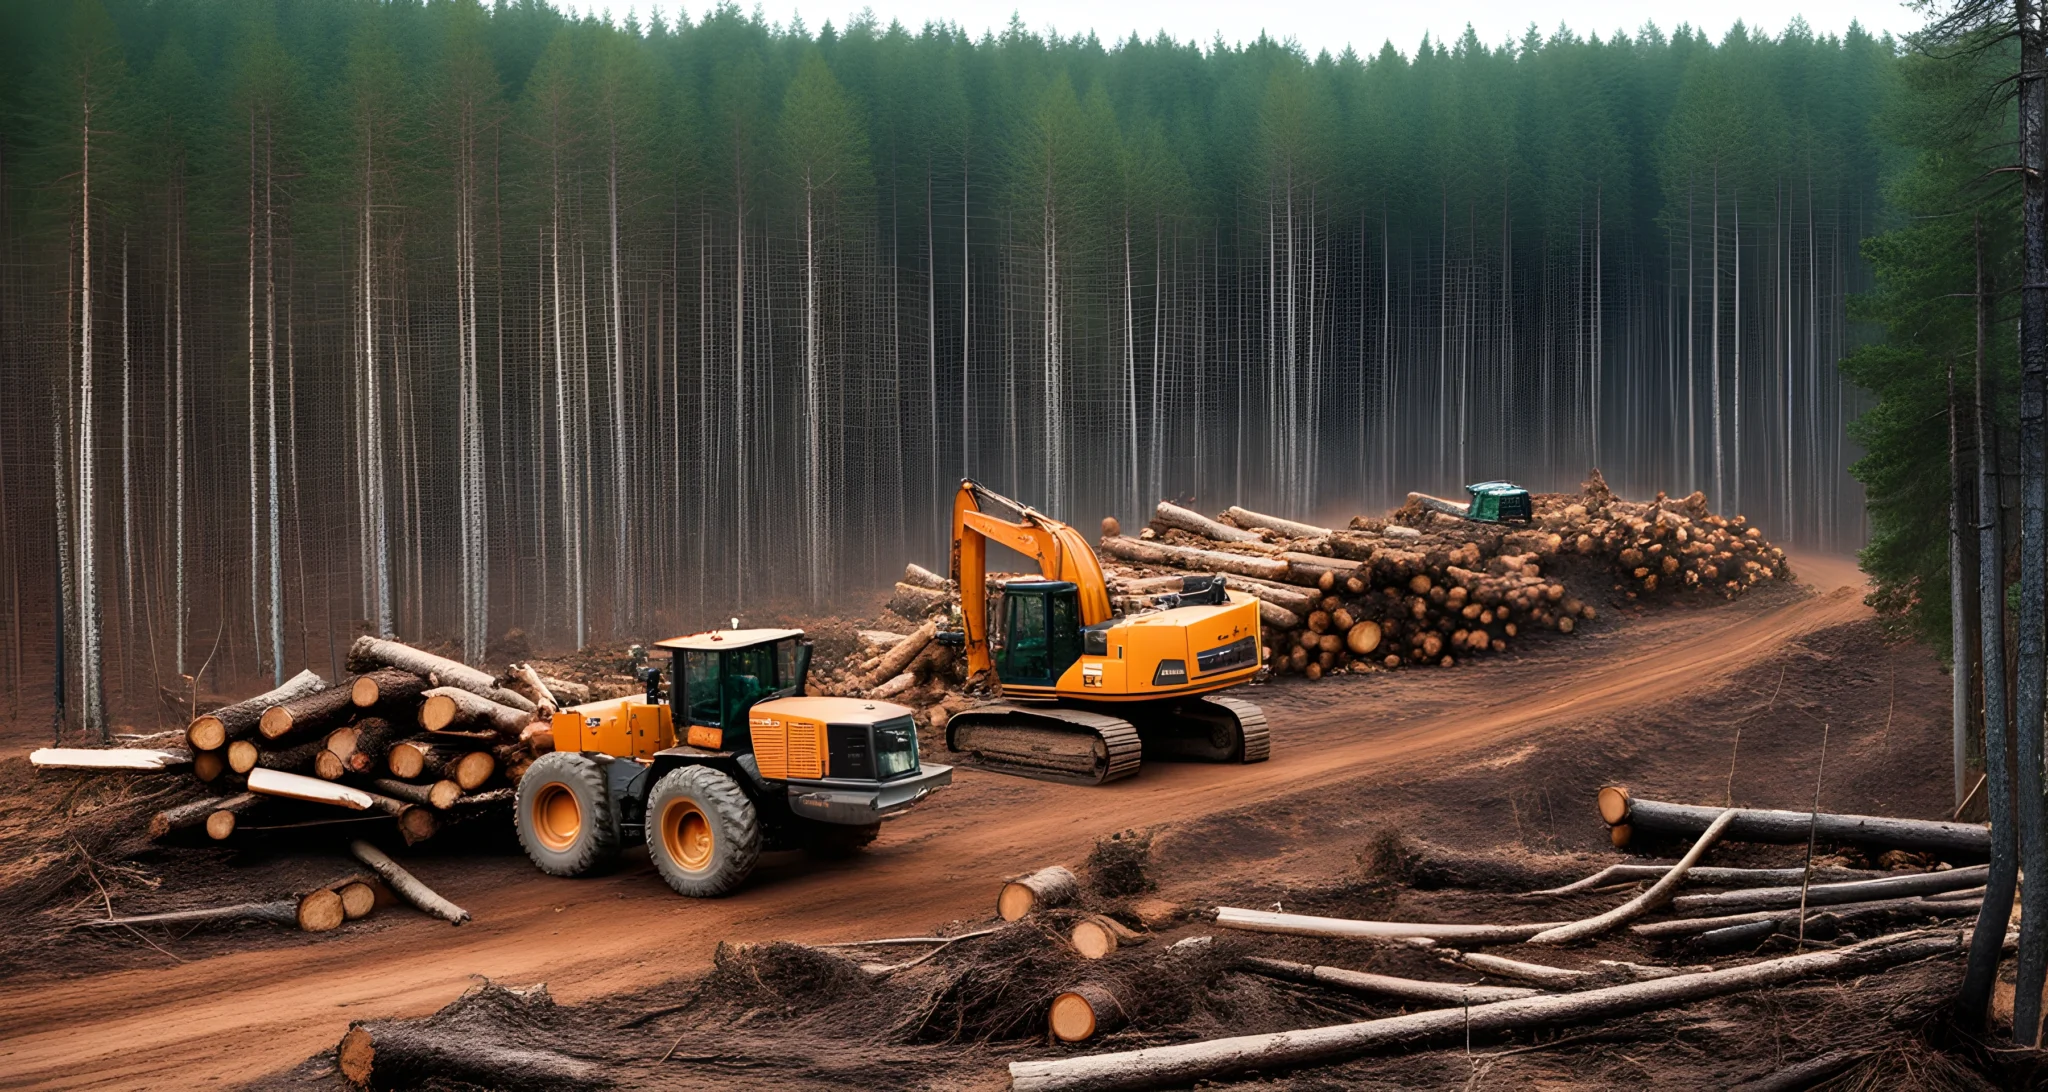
(1500, 756)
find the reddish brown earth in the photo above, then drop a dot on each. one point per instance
(1500, 751)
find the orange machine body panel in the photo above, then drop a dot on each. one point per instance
(622, 727)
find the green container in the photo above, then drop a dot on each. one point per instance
(1497, 502)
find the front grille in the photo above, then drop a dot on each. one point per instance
(1225, 657)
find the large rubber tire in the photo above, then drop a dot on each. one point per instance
(837, 841)
(564, 815)
(702, 833)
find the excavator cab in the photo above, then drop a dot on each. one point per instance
(1041, 631)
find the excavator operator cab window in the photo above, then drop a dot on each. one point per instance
(699, 686)
(1041, 631)
(749, 677)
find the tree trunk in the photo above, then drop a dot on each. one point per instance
(374, 739)
(2031, 633)
(387, 685)
(1266, 921)
(1183, 557)
(440, 795)
(368, 653)
(1249, 519)
(1826, 894)
(244, 755)
(406, 885)
(1168, 514)
(195, 814)
(447, 708)
(212, 731)
(1041, 890)
(1087, 1010)
(1187, 1063)
(281, 912)
(1640, 818)
(1380, 985)
(399, 1054)
(465, 766)
(306, 714)
(1645, 902)
(1097, 935)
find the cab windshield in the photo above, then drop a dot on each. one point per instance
(895, 748)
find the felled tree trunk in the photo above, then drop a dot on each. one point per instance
(306, 714)
(1380, 985)
(918, 576)
(369, 653)
(465, 766)
(385, 686)
(1087, 1010)
(244, 755)
(1828, 894)
(1246, 518)
(1097, 935)
(406, 885)
(212, 731)
(1173, 515)
(449, 708)
(193, 815)
(440, 795)
(1185, 557)
(1041, 890)
(1968, 841)
(281, 912)
(1264, 921)
(408, 1053)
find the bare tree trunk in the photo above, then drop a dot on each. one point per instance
(2029, 636)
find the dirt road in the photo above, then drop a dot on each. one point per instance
(232, 1018)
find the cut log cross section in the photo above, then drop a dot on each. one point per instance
(1043, 889)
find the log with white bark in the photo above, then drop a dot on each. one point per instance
(441, 795)
(447, 708)
(1267, 921)
(1642, 904)
(369, 653)
(192, 815)
(465, 766)
(894, 686)
(1097, 935)
(416, 823)
(388, 685)
(1246, 518)
(1041, 890)
(919, 576)
(1085, 1011)
(1519, 970)
(1380, 985)
(1828, 894)
(1185, 557)
(211, 731)
(406, 884)
(280, 912)
(318, 712)
(108, 758)
(1643, 972)
(1657, 818)
(1707, 876)
(1909, 907)
(1173, 515)
(1187, 1063)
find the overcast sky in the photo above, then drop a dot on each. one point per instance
(1320, 24)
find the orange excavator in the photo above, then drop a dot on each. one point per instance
(1086, 695)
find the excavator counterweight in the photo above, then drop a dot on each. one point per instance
(1088, 695)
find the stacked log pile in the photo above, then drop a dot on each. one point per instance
(411, 743)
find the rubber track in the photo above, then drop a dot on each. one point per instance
(1251, 723)
(1126, 751)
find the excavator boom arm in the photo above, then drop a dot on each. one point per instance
(1059, 550)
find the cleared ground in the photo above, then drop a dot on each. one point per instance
(1423, 740)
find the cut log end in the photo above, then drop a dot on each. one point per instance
(328, 766)
(357, 1056)
(242, 756)
(357, 900)
(1083, 1012)
(1614, 802)
(209, 765)
(1096, 936)
(321, 911)
(1047, 887)
(207, 733)
(220, 825)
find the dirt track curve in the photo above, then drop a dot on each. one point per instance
(235, 1017)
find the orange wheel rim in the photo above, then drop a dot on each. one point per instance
(557, 818)
(686, 834)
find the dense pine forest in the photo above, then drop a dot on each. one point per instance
(446, 320)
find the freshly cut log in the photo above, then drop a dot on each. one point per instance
(221, 822)
(320, 911)
(244, 755)
(1298, 600)
(1266, 921)
(440, 795)
(570, 692)
(1087, 1010)
(1247, 518)
(306, 714)
(208, 766)
(281, 912)
(1709, 876)
(1186, 1063)
(342, 741)
(1363, 637)
(1185, 557)
(1649, 900)
(1173, 515)
(894, 686)
(369, 653)
(404, 1054)
(1380, 985)
(899, 655)
(1041, 890)
(388, 685)
(911, 601)
(1274, 616)
(406, 885)
(922, 577)
(1334, 564)
(1501, 967)
(212, 731)
(466, 767)
(1656, 818)
(108, 758)
(358, 899)
(374, 737)
(188, 816)
(450, 708)
(1097, 935)
(1829, 894)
